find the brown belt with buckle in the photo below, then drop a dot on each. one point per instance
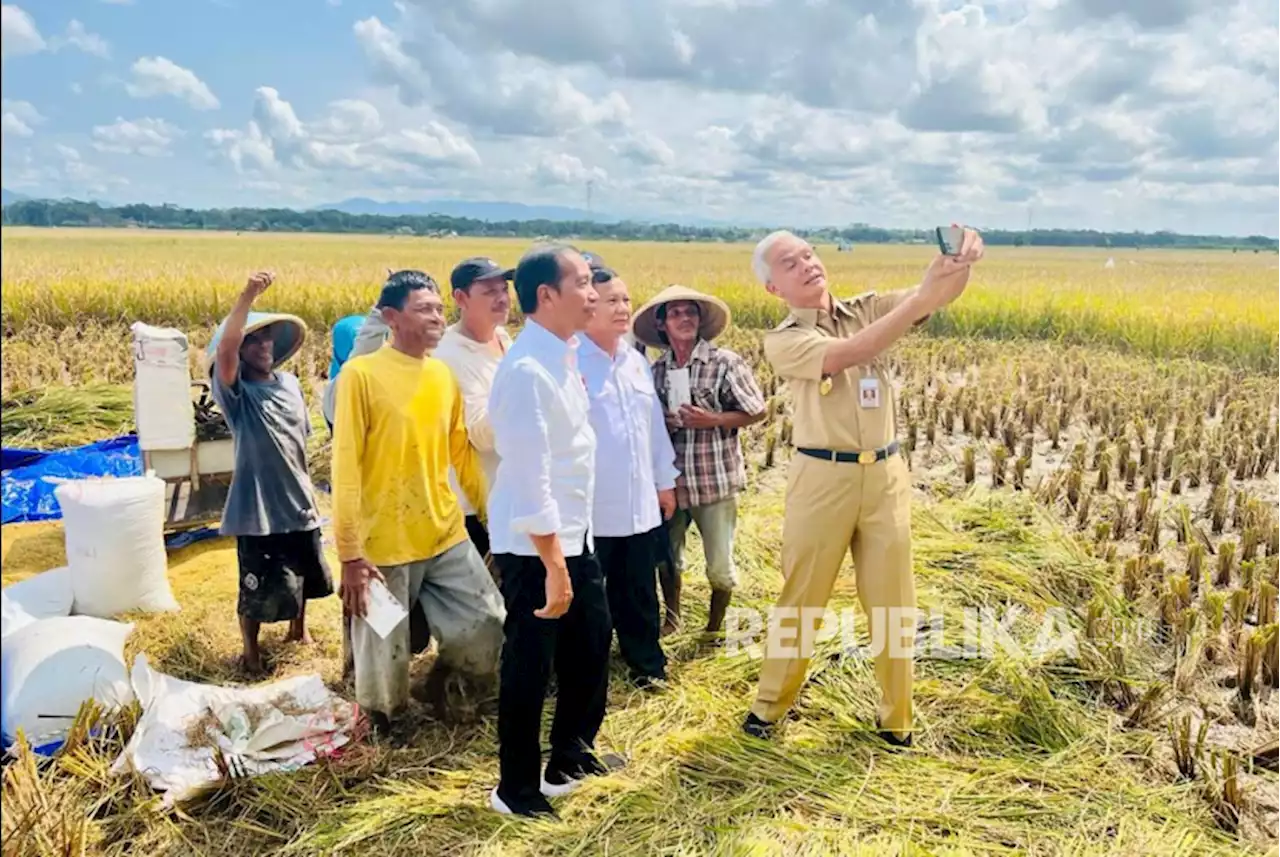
(867, 456)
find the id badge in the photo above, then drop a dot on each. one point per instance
(869, 392)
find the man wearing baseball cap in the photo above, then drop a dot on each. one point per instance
(472, 347)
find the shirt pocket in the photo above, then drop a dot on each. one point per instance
(706, 395)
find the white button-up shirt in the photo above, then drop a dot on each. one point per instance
(539, 414)
(474, 364)
(634, 456)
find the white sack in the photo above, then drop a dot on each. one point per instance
(41, 596)
(162, 406)
(51, 667)
(114, 530)
(275, 727)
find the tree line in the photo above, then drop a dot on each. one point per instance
(74, 213)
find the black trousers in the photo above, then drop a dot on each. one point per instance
(577, 646)
(478, 534)
(630, 566)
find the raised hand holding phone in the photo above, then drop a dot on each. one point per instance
(948, 274)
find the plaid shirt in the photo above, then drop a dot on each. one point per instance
(710, 460)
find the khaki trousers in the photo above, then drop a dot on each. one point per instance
(834, 507)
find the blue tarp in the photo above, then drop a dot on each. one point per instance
(27, 493)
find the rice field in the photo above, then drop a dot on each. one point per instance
(1100, 441)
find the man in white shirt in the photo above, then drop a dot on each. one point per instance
(603, 274)
(635, 480)
(540, 508)
(472, 348)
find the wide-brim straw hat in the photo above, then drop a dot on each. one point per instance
(287, 338)
(715, 315)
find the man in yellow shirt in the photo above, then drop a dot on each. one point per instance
(400, 425)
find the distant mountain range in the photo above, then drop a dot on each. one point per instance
(8, 196)
(490, 211)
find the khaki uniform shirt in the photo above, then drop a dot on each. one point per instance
(836, 420)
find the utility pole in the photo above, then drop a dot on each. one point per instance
(590, 185)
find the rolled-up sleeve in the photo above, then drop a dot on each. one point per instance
(740, 387)
(517, 415)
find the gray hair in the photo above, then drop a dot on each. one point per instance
(760, 257)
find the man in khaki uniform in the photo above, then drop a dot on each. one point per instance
(847, 489)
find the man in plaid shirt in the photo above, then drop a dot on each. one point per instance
(722, 399)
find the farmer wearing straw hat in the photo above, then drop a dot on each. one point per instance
(848, 489)
(710, 396)
(271, 507)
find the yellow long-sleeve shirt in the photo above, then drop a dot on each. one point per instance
(400, 424)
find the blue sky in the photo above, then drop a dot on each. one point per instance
(1124, 114)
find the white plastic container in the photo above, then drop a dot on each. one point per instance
(51, 667)
(162, 405)
(114, 531)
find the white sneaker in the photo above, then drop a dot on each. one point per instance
(498, 804)
(558, 789)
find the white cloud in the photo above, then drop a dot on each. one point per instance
(82, 40)
(247, 150)
(351, 137)
(157, 76)
(18, 118)
(827, 112)
(18, 33)
(147, 137)
(500, 93)
(562, 169)
(1143, 114)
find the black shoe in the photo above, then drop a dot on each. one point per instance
(650, 683)
(757, 728)
(379, 724)
(891, 738)
(599, 766)
(559, 780)
(534, 807)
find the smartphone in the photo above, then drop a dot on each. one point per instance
(949, 239)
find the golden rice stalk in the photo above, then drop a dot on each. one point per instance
(1195, 565)
(1226, 561)
(1187, 751)
(1229, 799)
(1252, 644)
(999, 458)
(1142, 508)
(1082, 512)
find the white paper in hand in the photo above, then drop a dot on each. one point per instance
(384, 612)
(678, 390)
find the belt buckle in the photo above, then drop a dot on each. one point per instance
(866, 457)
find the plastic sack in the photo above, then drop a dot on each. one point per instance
(41, 596)
(114, 530)
(280, 726)
(51, 667)
(162, 405)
